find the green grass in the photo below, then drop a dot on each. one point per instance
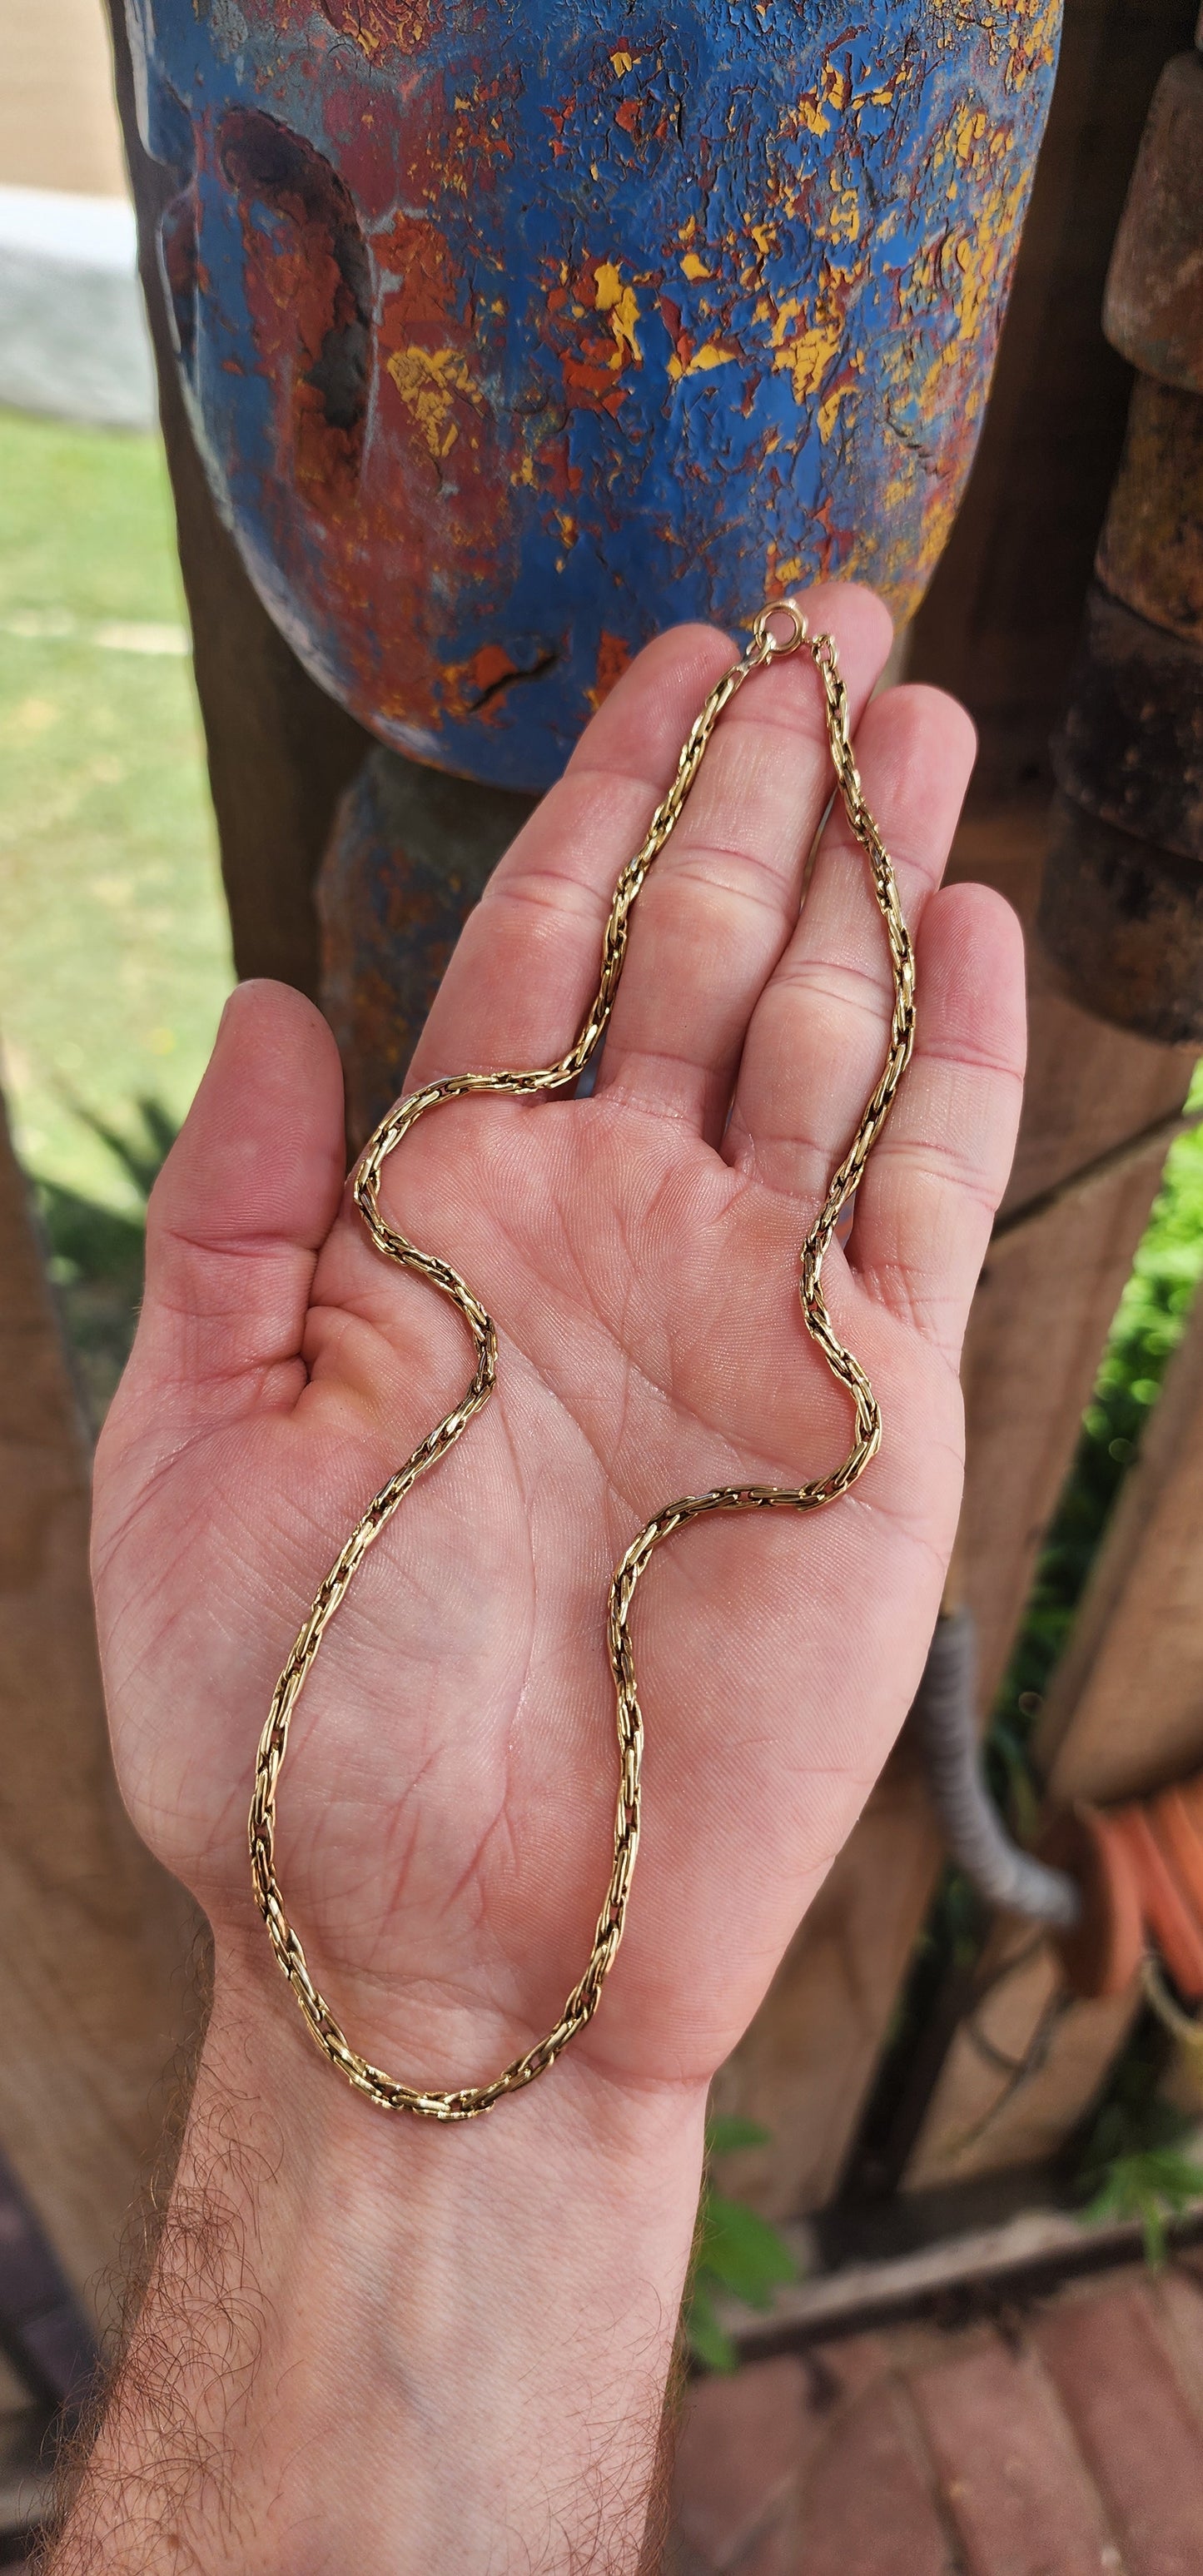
(114, 945)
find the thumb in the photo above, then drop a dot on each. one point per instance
(246, 1198)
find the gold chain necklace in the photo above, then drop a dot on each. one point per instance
(471, 2099)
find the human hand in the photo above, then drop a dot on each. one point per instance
(371, 2340)
(445, 1815)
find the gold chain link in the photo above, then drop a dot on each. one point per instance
(465, 2104)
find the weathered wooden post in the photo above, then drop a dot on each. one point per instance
(1122, 911)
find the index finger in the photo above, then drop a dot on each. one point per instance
(528, 958)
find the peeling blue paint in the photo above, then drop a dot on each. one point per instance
(508, 345)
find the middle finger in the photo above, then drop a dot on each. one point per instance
(721, 902)
(818, 1038)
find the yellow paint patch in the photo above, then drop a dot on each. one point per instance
(969, 130)
(1031, 39)
(807, 355)
(818, 107)
(705, 359)
(844, 220)
(828, 412)
(621, 303)
(428, 381)
(693, 267)
(622, 323)
(967, 267)
(409, 28)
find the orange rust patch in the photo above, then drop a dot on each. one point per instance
(613, 658)
(470, 684)
(490, 665)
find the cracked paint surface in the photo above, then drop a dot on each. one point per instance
(511, 335)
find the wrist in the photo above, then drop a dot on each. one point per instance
(423, 2344)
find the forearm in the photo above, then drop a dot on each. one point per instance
(367, 2341)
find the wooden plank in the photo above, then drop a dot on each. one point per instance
(1028, 2257)
(1045, 1303)
(1024, 1337)
(94, 1938)
(1125, 1711)
(980, 2119)
(1124, 1715)
(1050, 1288)
(280, 751)
(803, 2068)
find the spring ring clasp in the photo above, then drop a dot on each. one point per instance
(771, 648)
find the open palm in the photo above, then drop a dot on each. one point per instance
(446, 1810)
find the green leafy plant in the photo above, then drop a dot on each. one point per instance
(1155, 2184)
(141, 1153)
(735, 2252)
(1134, 2166)
(96, 1251)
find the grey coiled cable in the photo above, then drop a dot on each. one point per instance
(944, 1717)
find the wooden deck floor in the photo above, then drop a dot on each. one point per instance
(1063, 2439)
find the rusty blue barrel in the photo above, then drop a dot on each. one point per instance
(512, 333)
